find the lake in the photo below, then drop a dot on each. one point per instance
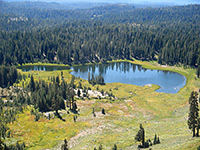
(124, 72)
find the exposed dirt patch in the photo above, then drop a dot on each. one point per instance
(83, 134)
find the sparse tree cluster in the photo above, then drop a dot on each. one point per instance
(51, 96)
(140, 137)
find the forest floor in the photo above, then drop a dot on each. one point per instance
(160, 113)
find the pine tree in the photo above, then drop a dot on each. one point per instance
(64, 146)
(198, 71)
(193, 112)
(115, 147)
(103, 111)
(140, 136)
(79, 93)
(93, 112)
(158, 141)
(58, 80)
(32, 84)
(55, 101)
(155, 139)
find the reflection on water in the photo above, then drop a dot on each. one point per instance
(124, 72)
(43, 68)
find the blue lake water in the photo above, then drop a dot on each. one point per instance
(125, 72)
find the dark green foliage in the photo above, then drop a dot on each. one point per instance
(156, 140)
(49, 116)
(75, 118)
(102, 92)
(146, 145)
(155, 32)
(198, 127)
(32, 84)
(8, 76)
(74, 107)
(193, 112)
(36, 113)
(47, 97)
(140, 136)
(93, 112)
(150, 143)
(79, 93)
(198, 148)
(103, 111)
(56, 100)
(198, 71)
(64, 146)
(115, 147)
(80, 85)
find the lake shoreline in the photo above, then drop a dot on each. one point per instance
(149, 65)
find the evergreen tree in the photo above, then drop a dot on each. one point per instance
(140, 136)
(93, 112)
(58, 80)
(155, 139)
(79, 93)
(55, 102)
(198, 148)
(64, 146)
(158, 140)
(32, 84)
(198, 71)
(115, 147)
(193, 112)
(103, 111)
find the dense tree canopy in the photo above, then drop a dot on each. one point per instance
(85, 42)
(32, 34)
(8, 76)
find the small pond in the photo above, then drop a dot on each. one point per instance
(124, 72)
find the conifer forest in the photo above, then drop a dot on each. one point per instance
(56, 109)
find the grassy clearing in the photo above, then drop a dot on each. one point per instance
(160, 113)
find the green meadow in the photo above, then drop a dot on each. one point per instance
(160, 113)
